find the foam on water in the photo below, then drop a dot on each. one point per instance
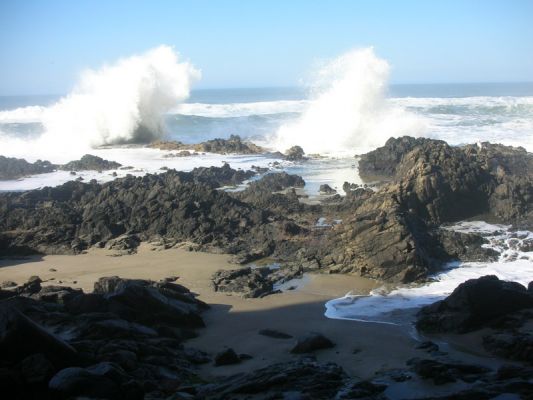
(382, 305)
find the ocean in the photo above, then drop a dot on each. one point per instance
(336, 122)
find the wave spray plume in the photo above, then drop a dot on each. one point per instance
(349, 110)
(119, 103)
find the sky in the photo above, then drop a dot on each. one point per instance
(45, 44)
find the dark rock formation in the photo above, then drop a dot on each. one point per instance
(300, 379)
(233, 145)
(474, 304)
(177, 205)
(391, 234)
(312, 342)
(117, 343)
(441, 372)
(326, 189)
(90, 163)
(246, 281)
(227, 357)
(15, 168)
(253, 282)
(263, 193)
(295, 153)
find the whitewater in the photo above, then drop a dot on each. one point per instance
(348, 108)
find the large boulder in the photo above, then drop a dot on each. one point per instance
(141, 301)
(474, 304)
(21, 337)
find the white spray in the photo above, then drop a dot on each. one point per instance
(119, 103)
(349, 111)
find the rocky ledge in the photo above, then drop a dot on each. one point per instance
(16, 168)
(393, 233)
(173, 207)
(233, 145)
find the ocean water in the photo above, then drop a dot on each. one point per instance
(349, 108)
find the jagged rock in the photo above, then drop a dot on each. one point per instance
(15, 168)
(295, 153)
(326, 189)
(389, 234)
(312, 342)
(33, 285)
(511, 345)
(474, 304)
(90, 163)
(308, 379)
(467, 247)
(141, 301)
(178, 206)
(445, 372)
(221, 146)
(56, 294)
(227, 357)
(247, 281)
(125, 244)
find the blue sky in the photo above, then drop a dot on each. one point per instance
(45, 44)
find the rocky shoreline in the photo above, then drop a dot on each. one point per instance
(126, 338)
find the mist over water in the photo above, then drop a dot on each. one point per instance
(348, 109)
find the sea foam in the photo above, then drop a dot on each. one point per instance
(349, 110)
(381, 305)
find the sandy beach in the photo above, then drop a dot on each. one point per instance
(232, 321)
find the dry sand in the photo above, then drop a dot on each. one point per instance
(361, 348)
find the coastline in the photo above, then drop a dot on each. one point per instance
(361, 348)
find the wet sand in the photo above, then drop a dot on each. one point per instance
(361, 348)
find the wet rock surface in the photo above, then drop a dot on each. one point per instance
(474, 304)
(90, 163)
(295, 153)
(391, 234)
(15, 168)
(233, 145)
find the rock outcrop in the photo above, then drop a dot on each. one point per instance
(15, 168)
(474, 304)
(392, 233)
(233, 145)
(90, 163)
(121, 342)
(177, 205)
